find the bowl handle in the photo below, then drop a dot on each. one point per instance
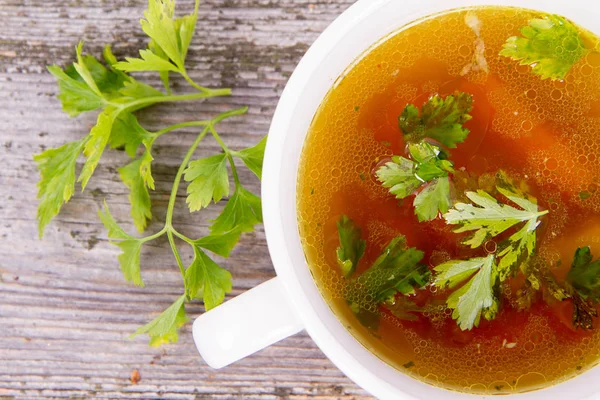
(243, 325)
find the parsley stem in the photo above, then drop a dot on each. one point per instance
(176, 252)
(228, 153)
(181, 125)
(141, 103)
(194, 84)
(208, 126)
(182, 237)
(182, 167)
(156, 235)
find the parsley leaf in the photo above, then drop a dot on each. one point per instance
(133, 89)
(75, 96)
(487, 217)
(476, 297)
(94, 147)
(114, 230)
(129, 259)
(163, 329)
(159, 25)
(403, 308)
(583, 312)
(243, 211)
(351, 248)
(253, 156)
(399, 177)
(584, 274)
(82, 69)
(57, 180)
(209, 181)
(403, 176)
(433, 199)
(170, 36)
(128, 133)
(148, 62)
(207, 280)
(220, 244)
(550, 45)
(396, 270)
(441, 119)
(138, 183)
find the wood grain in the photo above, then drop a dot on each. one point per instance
(65, 310)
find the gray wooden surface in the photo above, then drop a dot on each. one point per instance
(65, 310)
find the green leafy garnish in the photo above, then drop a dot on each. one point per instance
(433, 199)
(253, 157)
(139, 196)
(170, 40)
(57, 180)
(205, 279)
(351, 248)
(90, 85)
(163, 329)
(403, 177)
(395, 274)
(396, 270)
(131, 247)
(488, 218)
(403, 308)
(440, 119)
(242, 212)
(584, 274)
(208, 179)
(399, 177)
(581, 287)
(475, 297)
(550, 45)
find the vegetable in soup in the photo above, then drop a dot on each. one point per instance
(448, 199)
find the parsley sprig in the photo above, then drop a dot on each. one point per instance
(89, 85)
(394, 275)
(550, 45)
(487, 218)
(474, 298)
(581, 286)
(441, 119)
(439, 124)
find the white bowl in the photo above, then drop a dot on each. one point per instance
(292, 301)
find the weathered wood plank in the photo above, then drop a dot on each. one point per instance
(65, 310)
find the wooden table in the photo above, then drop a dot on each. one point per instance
(65, 309)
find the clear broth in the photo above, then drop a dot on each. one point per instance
(545, 132)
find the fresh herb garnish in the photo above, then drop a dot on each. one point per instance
(584, 274)
(403, 177)
(550, 45)
(582, 287)
(441, 119)
(403, 308)
(488, 218)
(163, 329)
(476, 297)
(351, 248)
(89, 85)
(396, 271)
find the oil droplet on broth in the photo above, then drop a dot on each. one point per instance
(539, 129)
